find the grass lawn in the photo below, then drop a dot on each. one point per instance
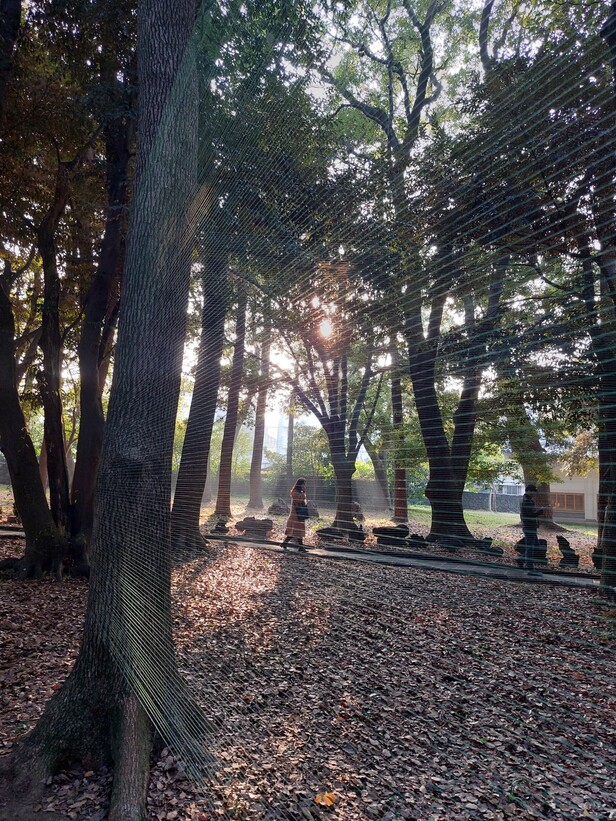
(581, 527)
(421, 514)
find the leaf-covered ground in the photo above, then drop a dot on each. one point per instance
(347, 691)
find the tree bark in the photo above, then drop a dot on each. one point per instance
(290, 433)
(449, 463)
(194, 463)
(443, 489)
(50, 378)
(401, 512)
(608, 32)
(223, 497)
(344, 470)
(340, 422)
(602, 325)
(127, 649)
(256, 481)
(606, 546)
(44, 548)
(92, 420)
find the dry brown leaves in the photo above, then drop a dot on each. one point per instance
(40, 627)
(404, 694)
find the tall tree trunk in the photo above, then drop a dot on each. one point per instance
(44, 549)
(43, 465)
(256, 480)
(343, 470)
(290, 433)
(443, 489)
(223, 498)
(602, 328)
(51, 345)
(606, 547)
(606, 481)
(194, 463)
(92, 420)
(603, 319)
(127, 648)
(449, 463)
(608, 32)
(401, 512)
(10, 22)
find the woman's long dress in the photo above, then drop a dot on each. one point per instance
(295, 528)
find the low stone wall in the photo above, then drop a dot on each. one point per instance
(481, 501)
(475, 501)
(507, 504)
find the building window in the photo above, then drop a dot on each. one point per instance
(568, 502)
(510, 490)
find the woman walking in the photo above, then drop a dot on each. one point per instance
(296, 527)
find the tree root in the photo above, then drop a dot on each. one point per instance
(93, 720)
(132, 769)
(63, 555)
(10, 564)
(186, 546)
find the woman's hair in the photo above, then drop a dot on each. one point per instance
(299, 484)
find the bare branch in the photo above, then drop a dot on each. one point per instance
(361, 396)
(500, 41)
(307, 403)
(311, 372)
(425, 73)
(374, 113)
(363, 436)
(486, 60)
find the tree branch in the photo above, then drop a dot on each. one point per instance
(425, 73)
(363, 436)
(361, 397)
(486, 60)
(377, 115)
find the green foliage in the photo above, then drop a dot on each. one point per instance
(417, 475)
(364, 470)
(311, 454)
(582, 456)
(489, 464)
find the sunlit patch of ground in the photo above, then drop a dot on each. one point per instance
(404, 694)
